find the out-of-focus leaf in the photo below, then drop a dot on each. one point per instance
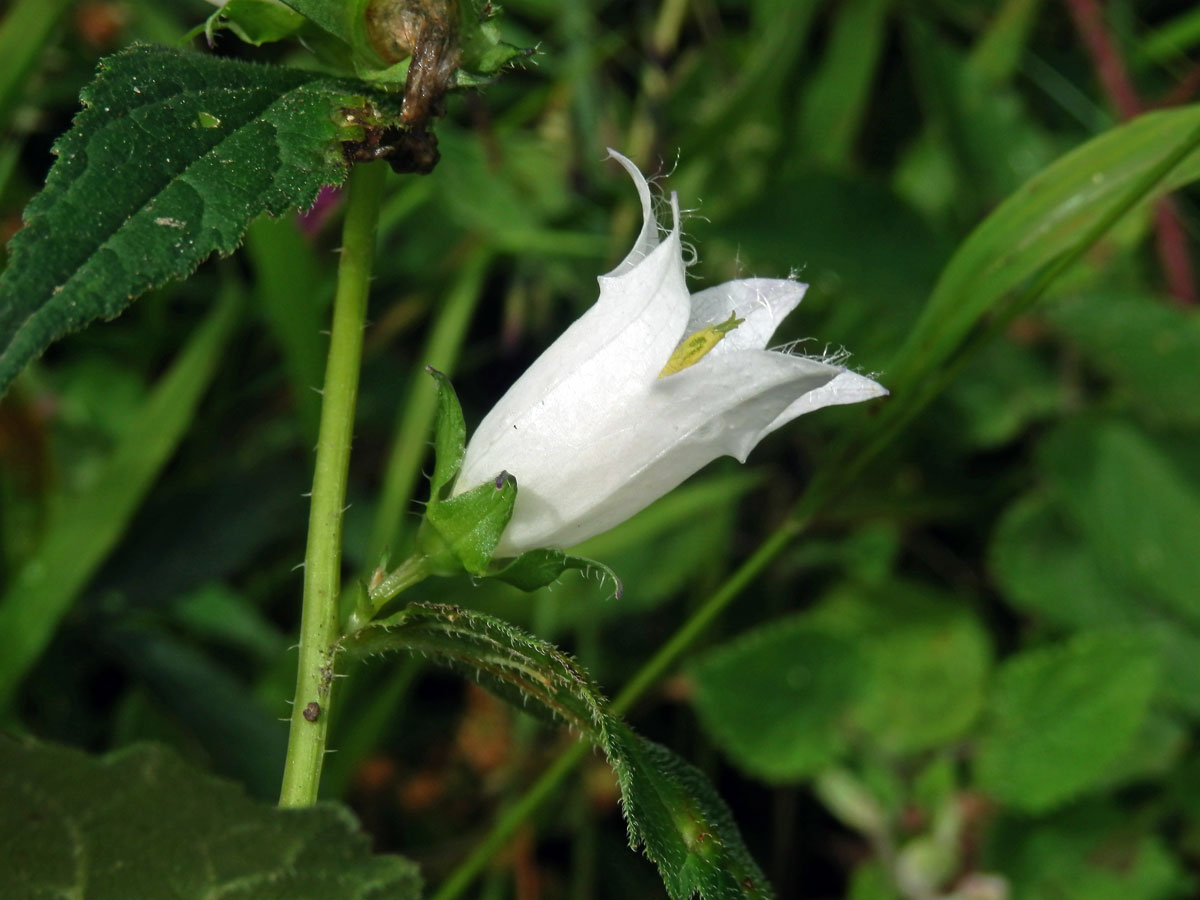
(243, 739)
(216, 612)
(87, 527)
(778, 698)
(925, 656)
(1139, 513)
(1086, 853)
(1061, 715)
(24, 30)
(837, 94)
(1149, 350)
(1046, 568)
(288, 288)
(172, 156)
(1004, 390)
(143, 823)
(992, 143)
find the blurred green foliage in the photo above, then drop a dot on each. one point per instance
(974, 675)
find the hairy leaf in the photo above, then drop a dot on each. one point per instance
(538, 568)
(172, 156)
(672, 811)
(143, 823)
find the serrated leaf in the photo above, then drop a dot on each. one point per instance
(671, 810)
(509, 662)
(143, 823)
(1061, 715)
(468, 527)
(538, 568)
(172, 156)
(684, 827)
(777, 699)
(449, 437)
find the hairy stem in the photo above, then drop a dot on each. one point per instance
(323, 555)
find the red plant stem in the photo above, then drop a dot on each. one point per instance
(1170, 237)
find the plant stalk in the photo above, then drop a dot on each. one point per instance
(323, 555)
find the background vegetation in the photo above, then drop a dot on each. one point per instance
(973, 671)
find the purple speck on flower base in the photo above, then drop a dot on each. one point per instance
(503, 478)
(314, 218)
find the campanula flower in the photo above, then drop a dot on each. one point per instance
(648, 386)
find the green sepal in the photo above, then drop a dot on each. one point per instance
(463, 531)
(449, 438)
(483, 53)
(538, 568)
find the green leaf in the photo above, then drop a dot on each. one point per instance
(1046, 568)
(1149, 351)
(509, 662)
(686, 830)
(449, 438)
(838, 93)
(1050, 217)
(142, 823)
(926, 661)
(256, 22)
(1061, 715)
(86, 527)
(671, 810)
(777, 699)
(1088, 852)
(172, 156)
(538, 568)
(332, 16)
(1139, 513)
(462, 532)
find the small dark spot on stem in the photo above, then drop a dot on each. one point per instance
(312, 712)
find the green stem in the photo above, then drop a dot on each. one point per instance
(323, 555)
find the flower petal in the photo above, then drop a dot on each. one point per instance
(648, 237)
(611, 460)
(762, 302)
(847, 387)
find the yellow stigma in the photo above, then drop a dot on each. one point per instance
(695, 346)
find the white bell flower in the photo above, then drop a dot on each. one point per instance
(648, 386)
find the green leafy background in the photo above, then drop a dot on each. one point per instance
(975, 669)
